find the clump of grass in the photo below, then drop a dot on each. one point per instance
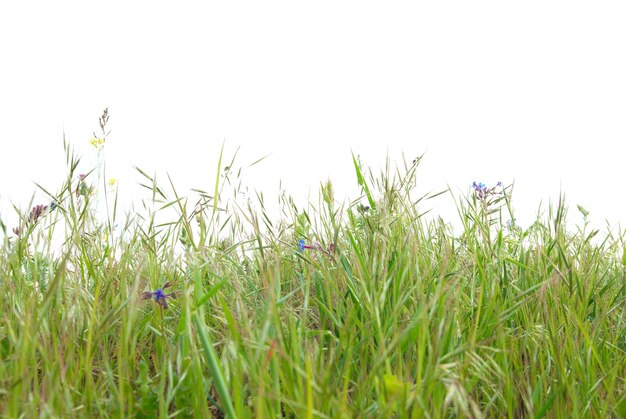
(354, 309)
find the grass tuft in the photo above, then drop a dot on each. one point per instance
(362, 308)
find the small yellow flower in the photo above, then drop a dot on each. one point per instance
(97, 142)
(112, 182)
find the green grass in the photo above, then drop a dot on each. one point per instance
(402, 318)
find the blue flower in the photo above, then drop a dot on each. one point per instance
(482, 192)
(159, 296)
(301, 245)
(480, 189)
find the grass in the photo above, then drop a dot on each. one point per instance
(383, 314)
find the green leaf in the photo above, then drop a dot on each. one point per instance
(215, 367)
(394, 386)
(362, 183)
(620, 409)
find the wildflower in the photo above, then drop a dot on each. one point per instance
(159, 296)
(36, 212)
(479, 189)
(97, 142)
(328, 251)
(482, 192)
(302, 246)
(112, 182)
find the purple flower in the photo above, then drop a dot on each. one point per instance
(479, 189)
(159, 296)
(36, 212)
(482, 191)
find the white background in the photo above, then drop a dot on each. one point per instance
(527, 92)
